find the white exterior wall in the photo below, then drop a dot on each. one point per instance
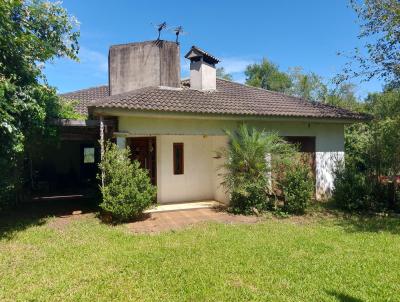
(202, 137)
(202, 76)
(196, 183)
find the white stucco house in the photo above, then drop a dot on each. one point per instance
(174, 126)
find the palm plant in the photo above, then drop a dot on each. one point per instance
(247, 169)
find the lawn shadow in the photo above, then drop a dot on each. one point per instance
(370, 223)
(358, 222)
(343, 297)
(35, 213)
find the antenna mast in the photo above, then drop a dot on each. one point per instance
(160, 27)
(178, 30)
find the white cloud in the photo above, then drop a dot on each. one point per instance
(235, 65)
(93, 59)
(240, 78)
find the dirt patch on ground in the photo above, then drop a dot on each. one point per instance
(61, 222)
(56, 213)
(176, 220)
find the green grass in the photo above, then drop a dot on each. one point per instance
(276, 260)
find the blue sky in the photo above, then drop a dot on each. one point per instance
(305, 33)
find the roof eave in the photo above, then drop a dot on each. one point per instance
(114, 111)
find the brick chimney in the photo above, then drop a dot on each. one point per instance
(203, 75)
(137, 65)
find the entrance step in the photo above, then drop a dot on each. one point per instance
(183, 206)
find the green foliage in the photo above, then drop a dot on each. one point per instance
(381, 143)
(127, 189)
(247, 174)
(31, 33)
(221, 73)
(343, 96)
(267, 75)
(372, 154)
(24, 128)
(297, 187)
(351, 188)
(67, 110)
(355, 190)
(380, 29)
(383, 105)
(307, 86)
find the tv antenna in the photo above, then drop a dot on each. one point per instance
(178, 31)
(159, 28)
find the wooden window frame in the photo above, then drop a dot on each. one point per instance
(177, 146)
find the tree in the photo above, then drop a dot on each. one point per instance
(372, 157)
(343, 96)
(267, 75)
(380, 28)
(308, 86)
(221, 73)
(384, 148)
(31, 33)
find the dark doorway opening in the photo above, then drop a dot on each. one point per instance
(67, 168)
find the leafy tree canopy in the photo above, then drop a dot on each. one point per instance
(268, 76)
(31, 33)
(307, 85)
(221, 73)
(380, 29)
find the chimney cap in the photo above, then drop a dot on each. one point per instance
(195, 53)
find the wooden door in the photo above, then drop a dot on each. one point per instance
(143, 149)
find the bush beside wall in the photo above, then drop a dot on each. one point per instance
(250, 177)
(297, 188)
(127, 189)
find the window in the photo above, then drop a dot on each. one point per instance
(178, 158)
(88, 155)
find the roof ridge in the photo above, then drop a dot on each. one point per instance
(85, 89)
(318, 103)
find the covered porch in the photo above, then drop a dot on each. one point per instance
(184, 168)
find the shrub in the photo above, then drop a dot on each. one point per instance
(297, 187)
(127, 190)
(250, 195)
(355, 191)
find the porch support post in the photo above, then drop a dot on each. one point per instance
(102, 146)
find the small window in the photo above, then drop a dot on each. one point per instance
(88, 155)
(178, 158)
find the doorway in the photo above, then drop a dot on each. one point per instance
(143, 149)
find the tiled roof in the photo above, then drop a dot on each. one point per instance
(85, 97)
(196, 52)
(229, 98)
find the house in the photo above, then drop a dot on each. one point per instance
(174, 126)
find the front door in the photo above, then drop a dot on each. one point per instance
(143, 149)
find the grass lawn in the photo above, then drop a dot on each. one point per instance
(310, 259)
